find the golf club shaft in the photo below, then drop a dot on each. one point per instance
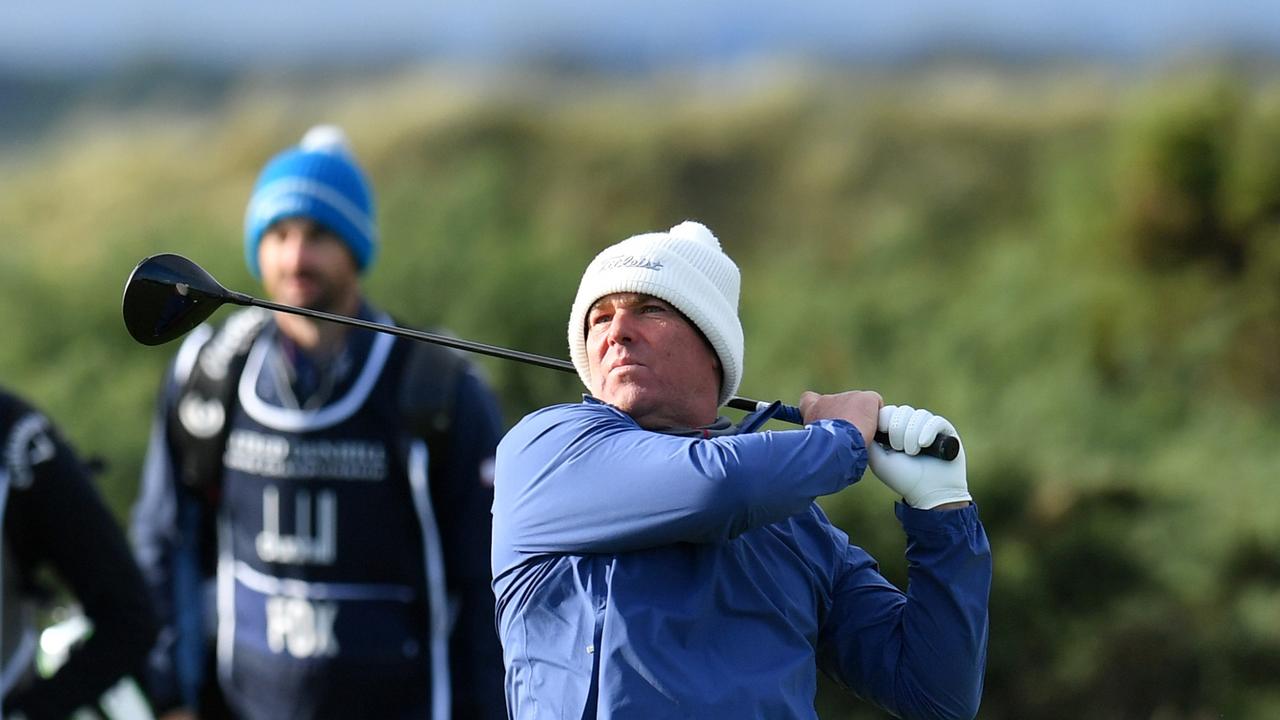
(438, 339)
(944, 447)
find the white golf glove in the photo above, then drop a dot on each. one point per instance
(924, 482)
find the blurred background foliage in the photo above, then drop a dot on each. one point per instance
(1080, 268)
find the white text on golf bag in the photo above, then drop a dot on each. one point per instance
(304, 628)
(314, 540)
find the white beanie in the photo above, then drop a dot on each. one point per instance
(683, 266)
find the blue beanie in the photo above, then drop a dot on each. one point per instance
(318, 179)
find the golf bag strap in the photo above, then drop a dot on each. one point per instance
(428, 391)
(199, 425)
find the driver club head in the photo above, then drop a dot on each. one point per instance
(167, 295)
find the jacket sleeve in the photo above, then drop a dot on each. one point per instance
(60, 522)
(922, 653)
(586, 479)
(464, 493)
(166, 528)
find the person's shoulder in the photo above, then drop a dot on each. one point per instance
(28, 439)
(12, 411)
(430, 376)
(546, 416)
(223, 341)
(589, 410)
(571, 417)
(426, 361)
(12, 404)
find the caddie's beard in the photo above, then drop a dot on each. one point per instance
(323, 293)
(328, 298)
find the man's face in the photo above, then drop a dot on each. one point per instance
(649, 361)
(305, 264)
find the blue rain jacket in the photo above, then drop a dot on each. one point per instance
(645, 575)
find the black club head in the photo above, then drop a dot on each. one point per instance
(167, 295)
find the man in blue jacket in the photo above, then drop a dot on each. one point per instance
(326, 490)
(652, 561)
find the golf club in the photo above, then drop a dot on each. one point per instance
(167, 295)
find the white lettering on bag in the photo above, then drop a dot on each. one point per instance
(305, 545)
(300, 627)
(275, 456)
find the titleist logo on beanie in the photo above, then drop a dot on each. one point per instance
(632, 261)
(684, 266)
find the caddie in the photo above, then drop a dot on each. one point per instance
(314, 519)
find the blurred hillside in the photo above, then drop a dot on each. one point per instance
(1081, 269)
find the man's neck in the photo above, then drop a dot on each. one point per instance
(664, 419)
(318, 338)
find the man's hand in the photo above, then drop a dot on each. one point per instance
(923, 482)
(859, 407)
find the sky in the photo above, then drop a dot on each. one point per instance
(80, 34)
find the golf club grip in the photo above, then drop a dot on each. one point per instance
(944, 447)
